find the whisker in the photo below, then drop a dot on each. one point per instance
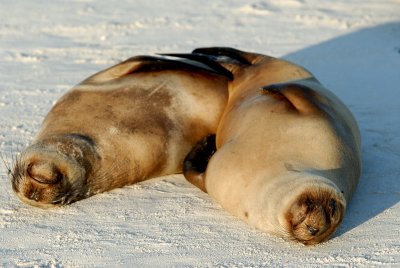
(5, 163)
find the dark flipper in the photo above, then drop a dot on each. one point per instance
(195, 163)
(224, 52)
(156, 63)
(207, 60)
(217, 58)
(152, 63)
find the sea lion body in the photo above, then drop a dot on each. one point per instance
(129, 123)
(287, 156)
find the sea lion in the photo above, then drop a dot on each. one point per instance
(286, 158)
(131, 122)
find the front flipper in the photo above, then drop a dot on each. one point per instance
(195, 163)
(302, 98)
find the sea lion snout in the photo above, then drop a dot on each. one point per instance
(314, 217)
(54, 171)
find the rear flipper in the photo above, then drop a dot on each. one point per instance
(220, 59)
(227, 55)
(195, 163)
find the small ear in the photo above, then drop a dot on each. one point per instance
(301, 97)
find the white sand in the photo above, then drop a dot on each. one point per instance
(46, 47)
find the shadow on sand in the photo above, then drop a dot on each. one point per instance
(363, 69)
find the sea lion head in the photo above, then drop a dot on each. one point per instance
(54, 171)
(315, 213)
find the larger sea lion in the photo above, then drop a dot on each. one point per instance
(131, 122)
(287, 157)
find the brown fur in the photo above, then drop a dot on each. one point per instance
(129, 123)
(288, 150)
(314, 216)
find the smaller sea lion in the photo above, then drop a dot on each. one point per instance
(287, 150)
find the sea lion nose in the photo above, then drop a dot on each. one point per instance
(44, 172)
(312, 230)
